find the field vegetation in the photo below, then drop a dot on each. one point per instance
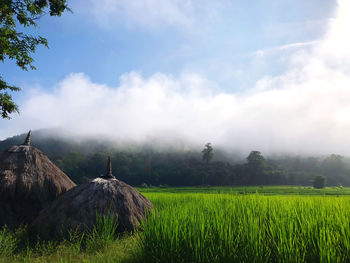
(222, 224)
(244, 190)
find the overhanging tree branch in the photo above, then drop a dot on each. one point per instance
(19, 46)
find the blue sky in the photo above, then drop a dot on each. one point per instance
(193, 68)
(210, 39)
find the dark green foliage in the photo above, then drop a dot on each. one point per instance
(256, 165)
(85, 160)
(256, 161)
(6, 104)
(207, 153)
(334, 169)
(19, 46)
(319, 181)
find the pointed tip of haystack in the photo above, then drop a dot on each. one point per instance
(109, 167)
(27, 141)
(109, 173)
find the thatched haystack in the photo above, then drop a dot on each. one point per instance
(29, 181)
(77, 209)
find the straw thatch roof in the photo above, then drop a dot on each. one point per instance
(77, 209)
(28, 182)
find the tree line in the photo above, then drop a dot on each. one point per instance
(189, 169)
(147, 166)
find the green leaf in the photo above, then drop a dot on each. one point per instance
(18, 46)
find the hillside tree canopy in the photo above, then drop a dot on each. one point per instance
(17, 45)
(207, 153)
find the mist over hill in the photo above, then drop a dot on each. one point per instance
(178, 163)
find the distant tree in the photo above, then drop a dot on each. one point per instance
(256, 160)
(256, 165)
(19, 45)
(207, 153)
(319, 181)
(334, 169)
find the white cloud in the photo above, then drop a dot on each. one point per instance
(278, 49)
(335, 47)
(305, 110)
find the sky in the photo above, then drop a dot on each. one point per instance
(264, 75)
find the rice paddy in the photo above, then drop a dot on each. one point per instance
(250, 228)
(189, 226)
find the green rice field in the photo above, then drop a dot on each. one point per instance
(252, 224)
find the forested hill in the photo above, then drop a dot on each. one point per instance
(147, 165)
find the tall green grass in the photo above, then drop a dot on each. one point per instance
(8, 243)
(253, 228)
(198, 227)
(102, 244)
(102, 234)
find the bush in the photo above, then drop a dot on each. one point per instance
(319, 181)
